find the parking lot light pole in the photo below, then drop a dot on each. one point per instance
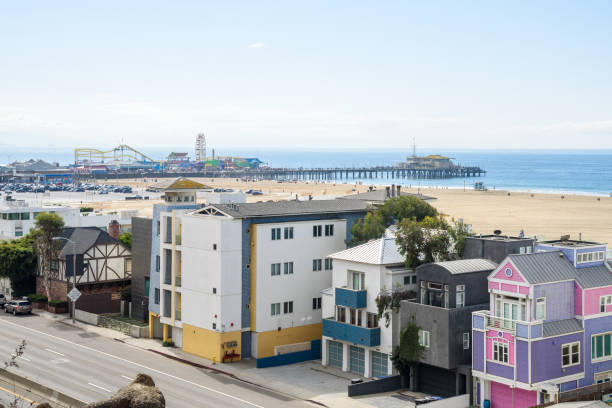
(73, 269)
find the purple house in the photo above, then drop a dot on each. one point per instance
(549, 327)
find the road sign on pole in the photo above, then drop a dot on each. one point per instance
(74, 294)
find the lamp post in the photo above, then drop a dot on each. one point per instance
(73, 268)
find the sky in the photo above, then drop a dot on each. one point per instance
(312, 74)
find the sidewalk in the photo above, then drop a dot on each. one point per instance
(308, 381)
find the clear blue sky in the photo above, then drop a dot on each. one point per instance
(328, 74)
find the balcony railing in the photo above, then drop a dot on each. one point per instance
(494, 322)
(177, 280)
(356, 299)
(354, 334)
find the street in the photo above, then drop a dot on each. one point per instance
(91, 367)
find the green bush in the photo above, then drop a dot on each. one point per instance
(35, 297)
(86, 209)
(58, 303)
(168, 344)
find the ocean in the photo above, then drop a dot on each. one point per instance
(559, 171)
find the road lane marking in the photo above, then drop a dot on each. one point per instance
(19, 396)
(97, 386)
(56, 352)
(23, 358)
(127, 378)
(134, 363)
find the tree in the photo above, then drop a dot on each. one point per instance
(410, 351)
(431, 240)
(47, 226)
(126, 239)
(393, 210)
(18, 264)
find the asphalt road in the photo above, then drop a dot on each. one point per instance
(91, 367)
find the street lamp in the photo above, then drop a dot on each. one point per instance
(73, 268)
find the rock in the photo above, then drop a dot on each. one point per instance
(141, 393)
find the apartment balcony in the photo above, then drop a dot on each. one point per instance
(177, 280)
(356, 299)
(484, 319)
(354, 334)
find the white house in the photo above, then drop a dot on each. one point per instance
(354, 338)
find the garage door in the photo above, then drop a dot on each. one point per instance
(357, 360)
(502, 396)
(334, 353)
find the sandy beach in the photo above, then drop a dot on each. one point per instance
(548, 216)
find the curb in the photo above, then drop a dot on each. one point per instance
(182, 360)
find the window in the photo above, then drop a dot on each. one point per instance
(529, 250)
(214, 247)
(603, 377)
(601, 347)
(147, 285)
(570, 354)
(353, 316)
(407, 280)
(372, 320)
(288, 268)
(329, 230)
(357, 280)
(54, 265)
(328, 264)
(128, 265)
(603, 302)
(317, 264)
(158, 228)
(341, 314)
(316, 230)
(25, 216)
(275, 309)
(214, 326)
(156, 263)
(434, 286)
(316, 303)
(13, 216)
(276, 234)
(288, 232)
(459, 295)
(466, 341)
(540, 308)
(275, 269)
(288, 307)
(522, 250)
(414, 279)
(214, 291)
(156, 299)
(590, 257)
(500, 352)
(424, 337)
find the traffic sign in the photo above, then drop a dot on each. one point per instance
(74, 294)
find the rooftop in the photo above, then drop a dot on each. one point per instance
(382, 251)
(179, 183)
(561, 327)
(381, 196)
(467, 265)
(570, 243)
(285, 208)
(505, 238)
(83, 238)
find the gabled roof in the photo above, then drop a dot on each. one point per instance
(543, 267)
(179, 183)
(285, 208)
(382, 251)
(467, 265)
(561, 327)
(594, 277)
(83, 238)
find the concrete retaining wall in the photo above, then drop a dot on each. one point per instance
(86, 317)
(375, 386)
(54, 397)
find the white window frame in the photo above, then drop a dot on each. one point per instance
(466, 340)
(275, 309)
(361, 280)
(586, 257)
(425, 338)
(543, 299)
(604, 300)
(501, 349)
(603, 357)
(570, 353)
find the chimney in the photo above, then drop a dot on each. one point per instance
(387, 191)
(398, 190)
(113, 229)
(392, 190)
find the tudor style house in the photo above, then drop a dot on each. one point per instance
(103, 268)
(548, 328)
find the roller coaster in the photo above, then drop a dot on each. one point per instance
(121, 153)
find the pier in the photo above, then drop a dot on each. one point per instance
(319, 174)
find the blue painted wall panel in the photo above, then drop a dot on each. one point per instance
(356, 299)
(354, 334)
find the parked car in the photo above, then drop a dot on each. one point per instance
(2, 300)
(18, 306)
